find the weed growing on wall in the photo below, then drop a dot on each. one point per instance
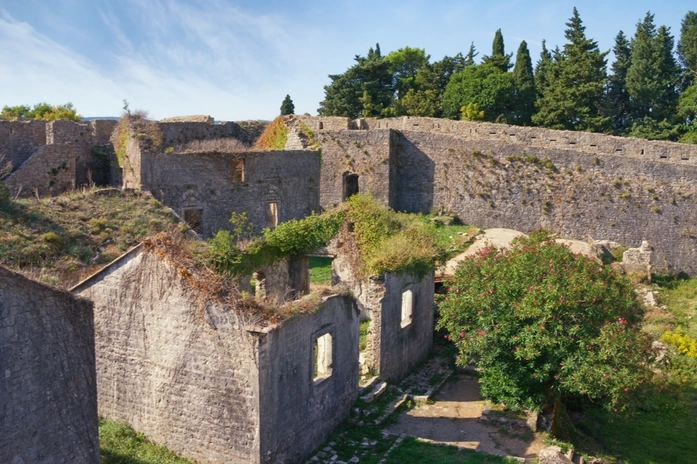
(135, 125)
(274, 136)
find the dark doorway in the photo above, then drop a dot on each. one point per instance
(350, 185)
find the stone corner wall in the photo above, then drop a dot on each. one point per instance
(48, 406)
(174, 367)
(297, 411)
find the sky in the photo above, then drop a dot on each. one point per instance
(237, 59)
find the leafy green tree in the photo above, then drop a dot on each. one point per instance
(426, 97)
(652, 78)
(368, 82)
(485, 85)
(41, 111)
(524, 80)
(617, 100)
(687, 45)
(498, 57)
(287, 107)
(573, 86)
(404, 64)
(687, 111)
(545, 326)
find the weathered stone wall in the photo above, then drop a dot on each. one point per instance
(365, 153)
(179, 370)
(48, 394)
(37, 148)
(51, 170)
(207, 181)
(613, 197)
(20, 139)
(394, 346)
(176, 133)
(283, 281)
(297, 412)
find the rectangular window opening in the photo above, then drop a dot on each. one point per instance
(192, 217)
(323, 358)
(407, 308)
(271, 215)
(350, 186)
(238, 170)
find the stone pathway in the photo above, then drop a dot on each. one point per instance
(454, 419)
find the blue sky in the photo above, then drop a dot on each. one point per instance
(237, 59)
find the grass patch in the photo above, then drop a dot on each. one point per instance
(120, 444)
(68, 236)
(680, 296)
(413, 451)
(363, 334)
(320, 270)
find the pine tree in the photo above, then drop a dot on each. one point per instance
(346, 95)
(617, 101)
(498, 57)
(542, 69)
(652, 78)
(471, 55)
(687, 45)
(287, 107)
(571, 96)
(525, 85)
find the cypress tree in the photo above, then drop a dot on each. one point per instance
(471, 55)
(652, 77)
(617, 95)
(571, 96)
(687, 45)
(525, 85)
(287, 107)
(542, 68)
(498, 57)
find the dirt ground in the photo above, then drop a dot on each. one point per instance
(453, 419)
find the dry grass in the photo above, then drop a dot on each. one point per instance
(222, 145)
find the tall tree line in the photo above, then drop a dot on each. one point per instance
(650, 90)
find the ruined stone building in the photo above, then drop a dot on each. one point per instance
(48, 390)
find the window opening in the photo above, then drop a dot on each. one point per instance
(321, 125)
(350, 185)
(271, 215)
(193, 218)
(407, 308)
(238, 170)
(323, 357)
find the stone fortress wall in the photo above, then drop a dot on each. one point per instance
(579, 185)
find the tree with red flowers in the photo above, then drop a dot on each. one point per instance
(544, 325)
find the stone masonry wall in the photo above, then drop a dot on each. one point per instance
(207, 181)
(20, 139)
(48, 393)
(365, 153)
(51, 170)
(503, 184)
(179, 370)
(175, 133)
(298, 413)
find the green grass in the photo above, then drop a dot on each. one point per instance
(454, 238)
(661, 430)
(120, 444)
(413, 451)
(59, 238)
(320, 270)
(680, 295)
(363, 334)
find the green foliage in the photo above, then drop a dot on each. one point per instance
(492, 90)
(471, 112)
(120, 444)
(524, 81)
(498, 58)
(287, 107)
(617, 99)
(651, 129)
(320, 270)
(544, 325)
(404, 65)
(294, 237)
(687, 45)
(571, 83)
(274, 136)
(653, 75)
(681, 341)
(365, 89)
(41, 111)
(135, 125)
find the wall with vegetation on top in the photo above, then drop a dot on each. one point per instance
(48, 392)
(179, 370)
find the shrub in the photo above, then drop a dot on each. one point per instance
(274, 136)
(681, 341)
(545, 326)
